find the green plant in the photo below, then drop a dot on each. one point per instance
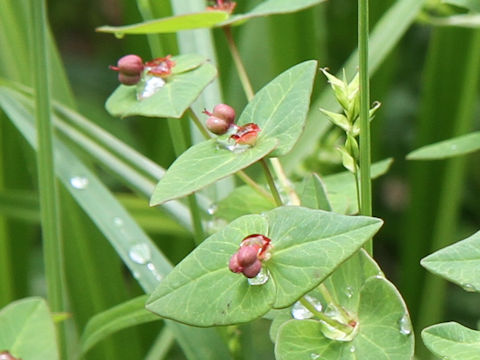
(288, 246)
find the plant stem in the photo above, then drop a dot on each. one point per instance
(271, 183)
(242, 72)
(334, 323)
(48, 192)
(198, 123)
(365, 156)
(285, 182)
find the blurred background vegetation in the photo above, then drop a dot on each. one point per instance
(422, 84)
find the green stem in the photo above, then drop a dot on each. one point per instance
(48, 192)
(365, 152)
(162, 345)
(318, 314)
(198, 123)
(271, 183)
(357, 187)
(242, 72)
(180, 145)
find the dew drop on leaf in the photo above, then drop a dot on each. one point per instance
(212, 209)
(149, 85)
(349, 291)
(300, 312)
(260, 279)
(231, 145)
(79, 182)
(352, 349)
(119, 35)
(117, 221)
(140, 254)
(315, 356)
(469, 287)
(405, 326)
(153, 269)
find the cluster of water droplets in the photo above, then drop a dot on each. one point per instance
(149, 84)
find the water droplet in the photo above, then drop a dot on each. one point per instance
(379, 276)
(119, 35)
(231, 145)
(469, 287)
(349, 291)
(260, 279)
(117, 221)
(155, 272)
(352, 349)
(300, 312)
(315, 356)
(212, 209)
(335, 333)
(140, 254)
(79, 182)
(136, 275)
(149, 85)
(405, 326)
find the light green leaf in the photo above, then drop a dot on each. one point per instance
(464, 20)
(457, 146)
(179, 92)
(27, 330)
(271, 7)
(203, 164)
(384, 331)
(307, 246)
(452, 341)
(281, 107)
(205, 19)
(314, 193)
(130, 313)
(473, 5)
(459, 263)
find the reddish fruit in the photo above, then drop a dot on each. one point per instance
(247, 255)
(253, 270)
(233, 265)
(128, 79)
(217, 125)
(223, 5)
(224, 111)
(129, 65)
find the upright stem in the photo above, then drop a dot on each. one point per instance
(271, 183)
(242, 72)
(365, 157)
(48, 192)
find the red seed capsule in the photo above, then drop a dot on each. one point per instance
(233, 265)
(217, 125)
(247, 255)
(129, 65)
(253, 270)
(225, 111)
(128, 79)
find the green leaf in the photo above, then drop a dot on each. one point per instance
(180, 91)
(27, 330)
(130, 313)
(307, 246)
(458, 263)
(203, 164)
(384, 329)
(281, 107)
(457, 146)
(314, 193)
(472, 5)
(452, 341)
(205, 19)
(271, 7)
(463, 20)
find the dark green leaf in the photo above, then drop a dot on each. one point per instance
(179, 92)
(307, 246)
(27, 330)
(171, 24)
(449, 148)
(473, 5)
(459, 263)
(452, 341)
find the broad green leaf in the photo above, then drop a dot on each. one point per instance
(179, 92)
(205, 19)
(384, 331)
(281, 107)
(27, 330)
(473, 5)
(307, 246)
(203, 164)
(457, 146)
(271, 7)
(452, 341)
(344, 286)
(459, 263)
(130, 313)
